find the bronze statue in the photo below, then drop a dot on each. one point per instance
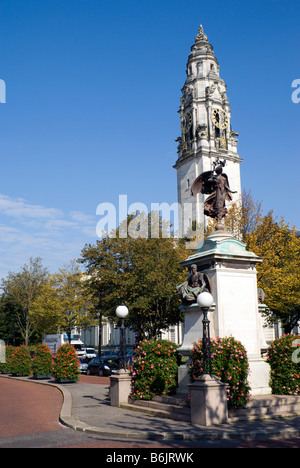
(196, 283)
(214, 183)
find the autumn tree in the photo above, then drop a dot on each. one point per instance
(278, 246)
(142, 270)
(63, 302)
(242, 218)
(279, 273)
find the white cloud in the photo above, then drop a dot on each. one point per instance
(20, 208)
(9, 234)
(29, 230)
(82, 217)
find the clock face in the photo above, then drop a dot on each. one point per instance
(186, 122)
(219, 118)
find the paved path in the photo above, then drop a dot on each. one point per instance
(30, 412)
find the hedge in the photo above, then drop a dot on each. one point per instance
(42, 363)
(230, 364)
(5, 367)
(283, 356)
(66, 365)
(154, 369)
(21, 362)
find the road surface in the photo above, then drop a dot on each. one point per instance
(29, 418)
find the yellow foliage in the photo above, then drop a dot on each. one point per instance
(278, 274)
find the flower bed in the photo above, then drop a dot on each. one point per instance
(230, 364)
(154, 369)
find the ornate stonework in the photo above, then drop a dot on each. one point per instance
(206, 131)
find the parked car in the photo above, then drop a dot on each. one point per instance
(110, 355)
(100, 366)
(90, 353)
(83, 364)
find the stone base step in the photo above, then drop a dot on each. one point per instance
(267, 406)
(259, 407)
(163, 407)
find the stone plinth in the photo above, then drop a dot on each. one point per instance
(208, 401)
(120, 388)
(193, 327)
(231, 270)
(193, 332)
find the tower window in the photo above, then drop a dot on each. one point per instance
(199, 68)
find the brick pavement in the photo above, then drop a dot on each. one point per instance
(28, 408)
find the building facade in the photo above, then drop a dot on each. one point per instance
(110, 336)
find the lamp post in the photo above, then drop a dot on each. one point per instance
(100, 330)
(205, 300)
(208, 393)
(122, 312)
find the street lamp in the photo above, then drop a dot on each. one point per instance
(122, 312)
(205, 301)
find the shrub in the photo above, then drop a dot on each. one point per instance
(230, 364)
(66, 365)
(285, 367)
(21, 362)
(5, 367)
(42, 364)
(154, 369)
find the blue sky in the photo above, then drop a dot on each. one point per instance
(92, 93)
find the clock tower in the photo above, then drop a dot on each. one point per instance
(206, 133)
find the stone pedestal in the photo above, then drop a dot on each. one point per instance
(193, 326)
(259, 376)
(120, 388)
(231, 270)
(183, 378)
(208, 401)
(193, 332)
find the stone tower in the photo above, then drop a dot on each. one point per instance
(206, 132)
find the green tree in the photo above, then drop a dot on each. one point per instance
(9, 331)
(139, 269)
(23, 288)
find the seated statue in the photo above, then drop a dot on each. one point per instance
(195, 284)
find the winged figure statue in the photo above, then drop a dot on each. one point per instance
(215, 184)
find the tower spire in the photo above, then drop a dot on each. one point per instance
(201, 37)
(205, 126)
